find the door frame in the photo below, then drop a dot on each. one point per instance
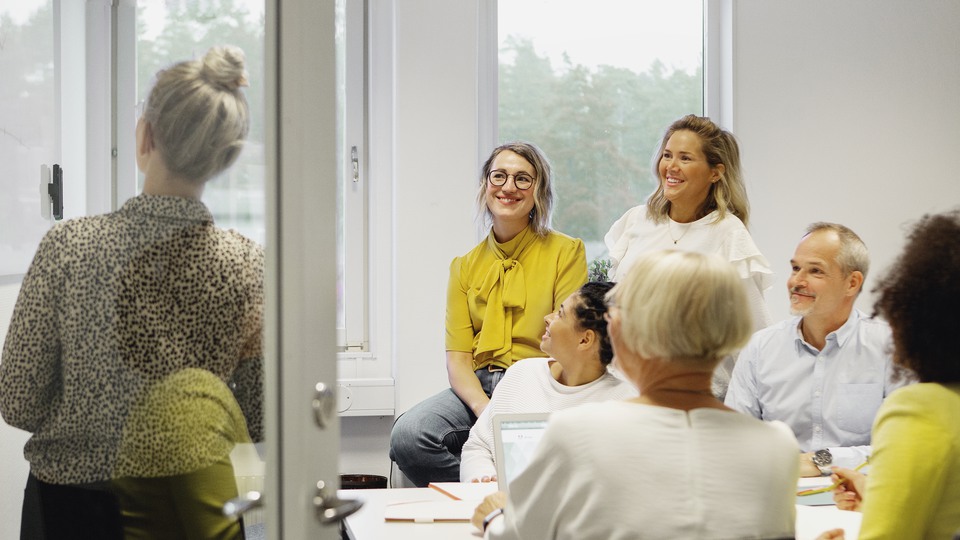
(301, 275)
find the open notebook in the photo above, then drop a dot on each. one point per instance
(515, 437)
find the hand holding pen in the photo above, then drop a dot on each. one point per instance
(850, 486)
(842, 477)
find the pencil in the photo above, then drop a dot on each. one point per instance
(831, 487)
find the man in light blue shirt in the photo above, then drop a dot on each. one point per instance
(825, 371)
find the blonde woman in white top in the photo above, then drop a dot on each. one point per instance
(700, 205)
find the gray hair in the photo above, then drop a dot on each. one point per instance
(853, 254)
(682, 305)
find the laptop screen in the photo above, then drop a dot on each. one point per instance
(516, 437)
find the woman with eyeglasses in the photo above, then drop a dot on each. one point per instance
(497, 297)
(700, 204)
(575, 373)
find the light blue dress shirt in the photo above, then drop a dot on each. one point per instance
(830, 397)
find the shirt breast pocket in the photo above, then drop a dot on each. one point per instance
(857, 406)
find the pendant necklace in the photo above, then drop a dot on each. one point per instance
(670, 232)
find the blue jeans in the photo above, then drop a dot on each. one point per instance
(427, 439)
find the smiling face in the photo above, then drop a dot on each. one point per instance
(817, 284)
(562, 336)
(510, 207)
(686, 175)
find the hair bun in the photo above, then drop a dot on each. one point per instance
(224, 65)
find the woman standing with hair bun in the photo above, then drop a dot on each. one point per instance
(132, 328)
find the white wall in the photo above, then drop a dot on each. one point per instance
(846, 112)
(435, 174)
(436, 169)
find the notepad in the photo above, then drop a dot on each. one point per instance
(430, 511)
(813, 520)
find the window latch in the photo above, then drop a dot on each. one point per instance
(356, 163)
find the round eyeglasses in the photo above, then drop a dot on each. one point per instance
(521, 180)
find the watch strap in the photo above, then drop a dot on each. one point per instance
(497, 512)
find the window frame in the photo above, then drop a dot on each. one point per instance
(365, 360)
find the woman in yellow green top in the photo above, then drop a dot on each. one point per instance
(913, 488)
(173, 472)
(497, 297)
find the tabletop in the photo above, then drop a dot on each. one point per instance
(369, 522)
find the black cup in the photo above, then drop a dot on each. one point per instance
(362, 481)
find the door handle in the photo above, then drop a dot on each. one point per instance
(236, 507)
(324, 405)
(331, 509)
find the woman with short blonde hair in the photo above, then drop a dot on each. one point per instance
(601, 470)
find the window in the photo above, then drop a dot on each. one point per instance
(169, 32)
(595, 91)
(352, 229)
(30, 117)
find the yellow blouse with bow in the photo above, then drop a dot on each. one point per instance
(499, 293)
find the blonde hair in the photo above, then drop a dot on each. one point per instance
(542, 185)
(728, 194)
(198, 114)
(682, 305)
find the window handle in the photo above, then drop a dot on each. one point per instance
(51, 185)
(356, 163)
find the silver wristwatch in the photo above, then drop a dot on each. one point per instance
(823, 459)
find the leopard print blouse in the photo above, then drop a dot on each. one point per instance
(114, 304)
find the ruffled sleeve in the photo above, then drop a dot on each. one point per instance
(745, 256)
(618, 237)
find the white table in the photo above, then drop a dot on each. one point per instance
(369, 524)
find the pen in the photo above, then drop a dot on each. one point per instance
(831, 487)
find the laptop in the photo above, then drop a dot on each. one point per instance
(515, 437)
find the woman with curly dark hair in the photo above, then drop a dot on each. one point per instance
(913, 490)
(576, 372)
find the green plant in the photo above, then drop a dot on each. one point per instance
(599, 269)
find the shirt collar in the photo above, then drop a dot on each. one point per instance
(168, 207)
(840, 335)
(845, 332)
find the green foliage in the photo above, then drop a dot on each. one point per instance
(599, 270)
(599, 128)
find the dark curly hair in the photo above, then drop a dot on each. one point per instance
(590, 313)
(919, 297)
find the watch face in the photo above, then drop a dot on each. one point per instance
(822, 458)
